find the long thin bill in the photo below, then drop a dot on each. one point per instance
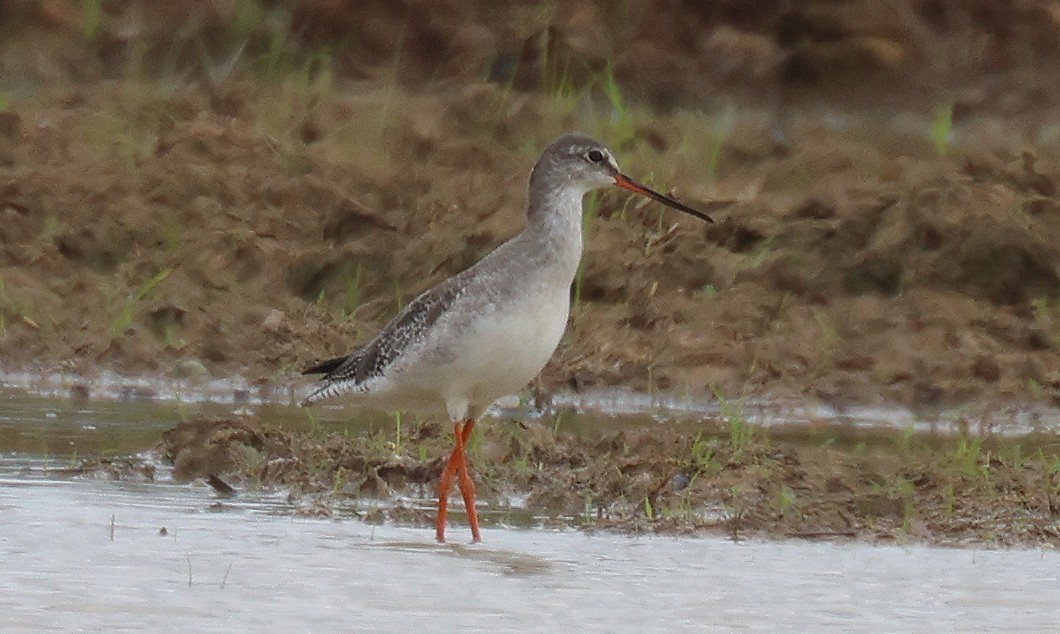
(625, 182)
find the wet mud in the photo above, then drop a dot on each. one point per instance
(710, 477)
(269, 184)
(175, 220)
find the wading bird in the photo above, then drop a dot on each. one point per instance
(486, 332)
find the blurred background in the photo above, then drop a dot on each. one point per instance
(207, 189)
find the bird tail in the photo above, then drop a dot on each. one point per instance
(336, 380)
(330, 389)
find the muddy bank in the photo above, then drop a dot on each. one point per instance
(983, 55)
(218, 203)
(195, 244)
(717, 476)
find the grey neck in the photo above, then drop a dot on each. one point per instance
(554, 222)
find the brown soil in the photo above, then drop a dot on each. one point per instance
(195, 189)
(163, 213)
(713, 477)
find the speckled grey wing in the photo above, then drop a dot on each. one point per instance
(410, 326)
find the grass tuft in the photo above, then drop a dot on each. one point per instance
(942, 128)
(132, 304)
(351, 290)
(741, 434)
(91, 19)
(621, 128)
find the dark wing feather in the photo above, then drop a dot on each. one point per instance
(325, 367)
(408, 327)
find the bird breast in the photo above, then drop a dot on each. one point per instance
(506, 344)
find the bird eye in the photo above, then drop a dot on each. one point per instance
(595, 156)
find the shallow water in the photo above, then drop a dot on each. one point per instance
(222, 395)
(83, 553)
(254, 566)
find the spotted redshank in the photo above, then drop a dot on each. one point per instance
(486, 332)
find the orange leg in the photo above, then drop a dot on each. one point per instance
(446, 481)
(467, 485)
(457, 465)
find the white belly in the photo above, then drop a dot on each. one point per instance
(469, 365)
(504, 351)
